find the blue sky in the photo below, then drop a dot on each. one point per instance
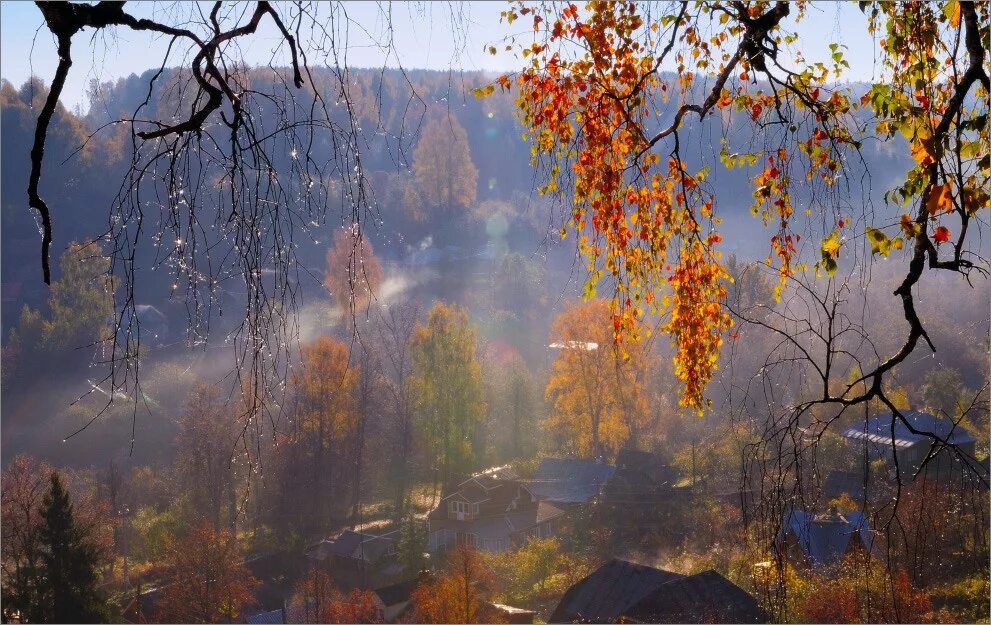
(438, 36)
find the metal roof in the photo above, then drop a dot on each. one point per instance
(825, 539)
(569, 480)
(879, 430)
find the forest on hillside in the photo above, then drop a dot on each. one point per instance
(412, 349)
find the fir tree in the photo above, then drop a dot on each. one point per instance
(69, 562)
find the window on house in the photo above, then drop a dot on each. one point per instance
(459, 507)
(464, 538)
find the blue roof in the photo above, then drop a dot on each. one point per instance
(825, 539)
(569, 480)
(878, 430)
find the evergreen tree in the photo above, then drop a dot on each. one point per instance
(69, 562)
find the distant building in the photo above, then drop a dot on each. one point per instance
(569, 481)
(621, 591)
(889, 437)
(358, 559)
(494, 511)
(839, 483)
(823, 540)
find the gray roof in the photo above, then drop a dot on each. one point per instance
(569, 480)
(356, 545)
(878, 430)
(706, 597)
(825, 539)
(609, 592)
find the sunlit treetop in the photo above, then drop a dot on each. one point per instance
(609, 125)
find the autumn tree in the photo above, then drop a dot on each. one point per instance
(459, 594)
(207, 579)
(208, 458)
(447, 389)
(320, 601)
(446, 177)
(53, 549)
(597, 398)
(394, 333)
(23, 487)
(327, 411)
(354, 274)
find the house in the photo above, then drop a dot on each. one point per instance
(705, 597)
(395, 598)
(493, 510)
(569, 481)
(641, 494)
(891, 438)
(839, 483)
(823, 540)
(607, 593)
(621, 591)
(358, 559)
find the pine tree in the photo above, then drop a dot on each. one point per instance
(69, 563)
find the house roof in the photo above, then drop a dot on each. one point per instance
(496, 492)
(496, 526)
(356, 545)
(824, 539)
(395, 594)
(706, 597)
(837, 483)
(569, 480)
(609, 592)
(878, 430)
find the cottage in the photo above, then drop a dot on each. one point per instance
(493, 510)
(823, 540)
(611, 590)
(568, 481)
(621, 591)
(889, 437)
(358, 559)
(706, 597)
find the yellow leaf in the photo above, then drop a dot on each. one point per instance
(952, 11)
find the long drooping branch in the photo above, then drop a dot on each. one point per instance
(65, 20)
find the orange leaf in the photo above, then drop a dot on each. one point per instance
(939, 199)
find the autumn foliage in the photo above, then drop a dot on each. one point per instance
(598, 398)
(209, 582)
(458, 595)
(317, 600)
(609, 126)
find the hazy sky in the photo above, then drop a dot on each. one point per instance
(426, 35)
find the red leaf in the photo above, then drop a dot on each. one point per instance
(942, 235)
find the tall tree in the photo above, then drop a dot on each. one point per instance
(395, 329)
(69, 560)
(208, 455)
(24, 485)
(207, 579)
(327, 411)
(354, 274)
(598, 398)
(446, 177)
(447, 388)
